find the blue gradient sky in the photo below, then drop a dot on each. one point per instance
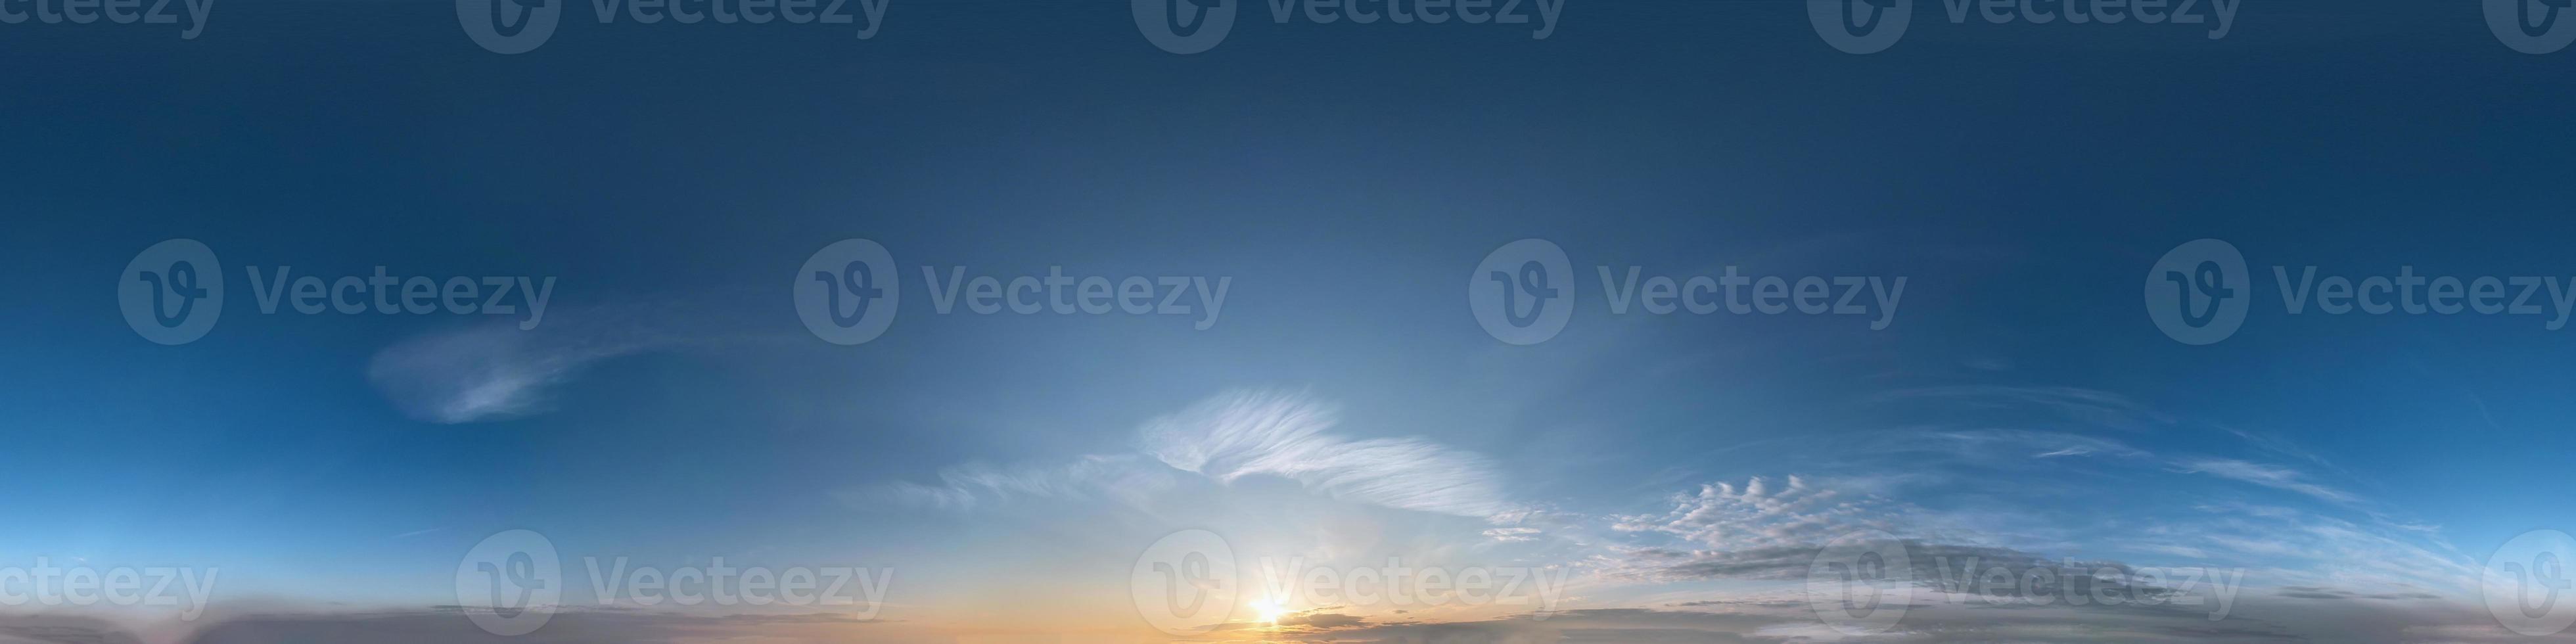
(2022, 178)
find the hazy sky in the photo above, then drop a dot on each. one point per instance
(667, 190)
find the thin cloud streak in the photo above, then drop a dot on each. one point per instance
(496, 371)
(1245, 434)
(1226, 439)
(2275, 477)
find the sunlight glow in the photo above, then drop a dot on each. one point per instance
(1268, 611)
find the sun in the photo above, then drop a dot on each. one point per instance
(1268, 611)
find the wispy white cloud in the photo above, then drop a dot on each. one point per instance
(2036, 444)
(1254, 433)
(498, 371)
(2074, 403)
(2271, 476)
(2059, 490)
(1233, 436)
(1127, 479)
(1721, 516)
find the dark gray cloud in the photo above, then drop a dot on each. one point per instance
(428, 627)
(1321, 620)
(2317, 592)
(1743, 602)
(2337, 622)
(446, 625)
(1947, 567)
(60, 629)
